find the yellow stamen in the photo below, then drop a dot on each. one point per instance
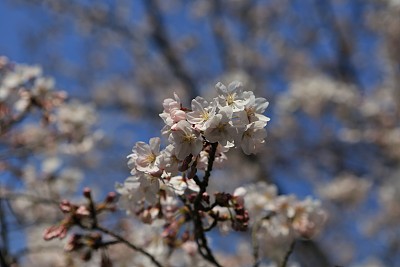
(230, 99)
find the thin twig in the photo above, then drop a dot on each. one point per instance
(160, 38)
(255, 244)
(129, 244)
(4, 250)
(288, 253)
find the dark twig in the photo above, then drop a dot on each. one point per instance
(288, 253)
(127, 243)
(95, 226)
(4, 252)
(220, 33)
(160, 38)
(201, 238)
(255, 244)
(344, 64)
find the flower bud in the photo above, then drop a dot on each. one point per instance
(87, 192)
(111, 197)
(206, 197)
(65, 206)
(222, 199)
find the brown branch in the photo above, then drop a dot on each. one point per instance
(288, 253)
(160, 38)
(4, 249)
(220, 35)
(344, 65)
(200, 236)
(127, 243)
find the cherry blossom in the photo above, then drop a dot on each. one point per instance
(146, 157)
(253, 137)
(186, 140)
(220, 128)
(201, 113)
(231, 96)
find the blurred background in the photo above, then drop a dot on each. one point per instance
(329, 69)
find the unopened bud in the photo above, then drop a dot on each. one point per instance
(222, 199)
(206, 197)
(82, 211)
(87, 192)
(192, 197)
(110, 197)
(65, 206)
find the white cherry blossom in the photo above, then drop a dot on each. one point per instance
(168, 160)
(147, 156)
(138, 187)
(253, 110)
(220, 128)
(253, 137)
(178, 184)
(186, 140)
(201, 113)
(231, 96)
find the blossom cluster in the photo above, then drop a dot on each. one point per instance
(285, 213)
(233, 119)
(22, 87)
(280, 219)
(316, 93)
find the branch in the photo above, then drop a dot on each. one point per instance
(256, 247)
(220, 33)
(160, 38)
(344, 65)
(200, 236)
(4, 252)
(288, 253)
(127, 243)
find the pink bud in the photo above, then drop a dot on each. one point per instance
(87, 192)
(55, 231)
(110, 197)
(65, 206)
(82, 211)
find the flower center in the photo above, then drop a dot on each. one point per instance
(150, 158)
(230, 99)
(189, 138)
(205, 116)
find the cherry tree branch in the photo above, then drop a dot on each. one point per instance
(127, 243)
(288, 253)
(4, 249)
(199, 232)
(160, 38)
(96, 226)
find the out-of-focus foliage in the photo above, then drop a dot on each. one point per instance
(329, 68)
